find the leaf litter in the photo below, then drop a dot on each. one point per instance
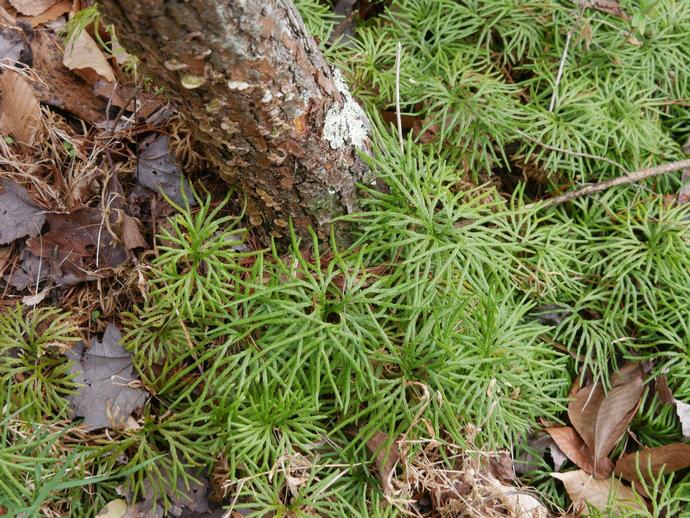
(109, 390)
(158, 170)
(19, 215)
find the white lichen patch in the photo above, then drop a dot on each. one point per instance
(238, 85)
(190, 81)
(345, 125)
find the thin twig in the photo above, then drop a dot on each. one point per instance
(570, 152)
(633, 177)
(398, 116)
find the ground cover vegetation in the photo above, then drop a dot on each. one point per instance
(464, 323)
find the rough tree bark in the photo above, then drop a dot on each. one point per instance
(272, 115)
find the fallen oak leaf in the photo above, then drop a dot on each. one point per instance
(19, 215)
(600, 494)
(387, 456)
(21, 113)
(105, 372)
(652, 461)
(78, 244)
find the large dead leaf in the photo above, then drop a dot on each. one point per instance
(84, 56)
(652, 461)
(583, 409)
(19, 216)
(78, 244)
(158, 170)
(578, 452)
(106, 375)
(60, 87)
(583, 490)
(616, 410)
(32, 7)
(50, 14)
(21, 113)
(387, 457)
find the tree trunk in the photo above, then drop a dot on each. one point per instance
(273, 116)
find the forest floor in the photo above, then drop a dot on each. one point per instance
(476, 350)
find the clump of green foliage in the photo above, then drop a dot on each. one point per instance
(460, 312)
(31, 360)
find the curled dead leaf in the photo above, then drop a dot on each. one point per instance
(572, 445)
(652, 461)
(84, 57)
(50, 14)
(387, 456)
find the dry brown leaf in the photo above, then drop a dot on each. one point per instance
(77, 245)
(387, 456)
(616, 410)
(60, 87)
(570, 443)
(21, 113)
(50, 14)
(128, 98)
(84, 57)
(131, 235)
(662, 391)
(32, 7)
(670, 457)
(611, 7)
(583, 489)
(583, 409)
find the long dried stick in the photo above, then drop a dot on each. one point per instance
(633, 177)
